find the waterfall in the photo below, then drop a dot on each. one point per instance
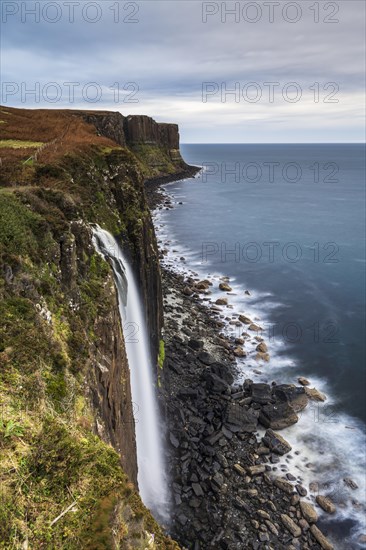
(151, 477)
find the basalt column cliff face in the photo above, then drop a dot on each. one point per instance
(139, 130)
(156, 145)
(67, 422)
(144, 130)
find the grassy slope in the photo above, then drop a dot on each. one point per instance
(49, 456)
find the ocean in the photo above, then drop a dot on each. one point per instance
(287, 224)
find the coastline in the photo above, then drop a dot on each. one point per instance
(231, 488)
(153, 186)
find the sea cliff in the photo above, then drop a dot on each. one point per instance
(68, 450)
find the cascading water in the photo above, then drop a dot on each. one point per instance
(151, 469)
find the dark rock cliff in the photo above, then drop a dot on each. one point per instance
(143, 129)
(110, 388)
(134, 130)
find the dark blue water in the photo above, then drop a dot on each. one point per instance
(287, 222)
(289, 219)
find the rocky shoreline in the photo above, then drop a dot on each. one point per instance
(231, 487)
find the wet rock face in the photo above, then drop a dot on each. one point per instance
(140, 240)
(109, 383)
(107, 371)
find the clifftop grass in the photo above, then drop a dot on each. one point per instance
(17, 144)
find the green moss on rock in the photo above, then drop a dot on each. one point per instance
(161, 357)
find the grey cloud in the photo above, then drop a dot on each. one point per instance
(170, 52)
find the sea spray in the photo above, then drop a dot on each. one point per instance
(151, 478)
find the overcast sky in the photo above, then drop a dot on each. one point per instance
(176, 59)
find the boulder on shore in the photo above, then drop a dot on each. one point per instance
(195, 344)
(214, 383)
(291, 394)
(222, 371)
(290, 525)
(262, 347)
(320, 538)
(244, 319)
(284, 485)
(326, 504)
(206, 358)
(315, 394)
(256, 469)
(350, 483)
(277, 416)
(276, 443)
(261, 393)
(308, 512)
(203, 285)
(255, 328)
(225, 287)
(187, 291)
(239, 352)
